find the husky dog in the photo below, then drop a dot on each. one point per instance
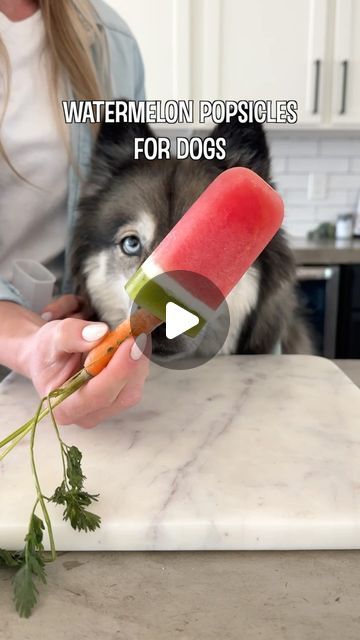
(128, 206)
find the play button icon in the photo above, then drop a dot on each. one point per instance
(178, 320)
(190, 333)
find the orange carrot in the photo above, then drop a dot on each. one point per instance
(141, 321)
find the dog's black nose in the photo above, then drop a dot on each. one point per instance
(160, 332)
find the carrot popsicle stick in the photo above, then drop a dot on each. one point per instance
(141, 321)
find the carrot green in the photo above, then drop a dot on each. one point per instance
(70, 494)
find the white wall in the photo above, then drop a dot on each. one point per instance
(153, 24)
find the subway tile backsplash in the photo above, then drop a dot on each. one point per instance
(295, 156)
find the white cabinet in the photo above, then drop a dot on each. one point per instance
(262, 49)
(161, 28)
(303, 50)
(346, 64)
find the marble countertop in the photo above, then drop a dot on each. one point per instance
(325, 251)
(310, 595)
(224, 460)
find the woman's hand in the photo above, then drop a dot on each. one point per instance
(55, 352)
(66, 306)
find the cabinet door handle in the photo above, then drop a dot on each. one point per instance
(345, 68)
(317, 85)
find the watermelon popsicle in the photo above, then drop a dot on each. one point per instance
(218, 238)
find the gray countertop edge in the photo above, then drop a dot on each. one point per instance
(351, 368)
(318, 252)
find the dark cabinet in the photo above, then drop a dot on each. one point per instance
(354, 335)
(348, 326)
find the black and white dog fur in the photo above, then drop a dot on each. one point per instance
(128, 206)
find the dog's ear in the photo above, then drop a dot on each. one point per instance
(246, 146)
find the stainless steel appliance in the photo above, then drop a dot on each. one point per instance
(319, 289)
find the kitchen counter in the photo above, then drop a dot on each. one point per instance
(351, 368)
(291, 595)
(326, 251)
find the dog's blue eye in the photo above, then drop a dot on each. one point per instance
(131, 245)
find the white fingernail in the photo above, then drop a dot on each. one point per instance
(47, 316)
(138, 347)
(93, 332)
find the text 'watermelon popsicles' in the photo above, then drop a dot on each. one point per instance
(219, 238)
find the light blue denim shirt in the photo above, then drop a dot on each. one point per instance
(127, 81)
